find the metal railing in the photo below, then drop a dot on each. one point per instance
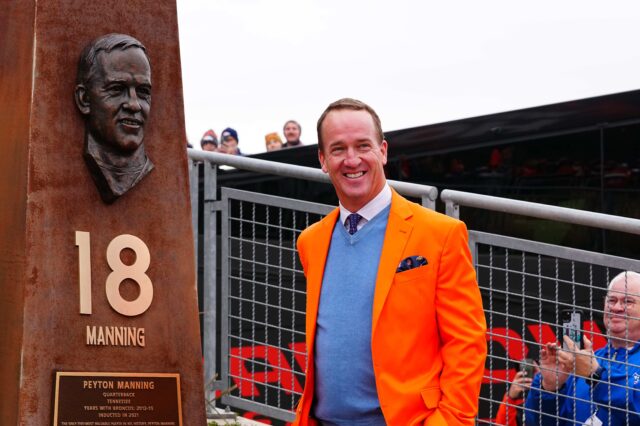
(236, 360)
(525, 284)
(454, 199)
(428, 194)
(264, 299)
(528, 288)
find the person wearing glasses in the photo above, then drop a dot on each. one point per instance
(601, 388)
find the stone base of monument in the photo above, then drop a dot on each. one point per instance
(98, 302)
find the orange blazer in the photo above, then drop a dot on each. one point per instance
(428, 328)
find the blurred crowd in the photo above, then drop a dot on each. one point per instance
(229, 140)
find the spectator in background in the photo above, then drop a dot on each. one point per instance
(209, 141)
(578, 386)
(230, 141)
(273, 142)
(292, 132)
(510, 411)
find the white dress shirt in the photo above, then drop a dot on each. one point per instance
(369, 210)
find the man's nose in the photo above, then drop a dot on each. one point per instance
(618, 305)
(352, 158)
(133, 101)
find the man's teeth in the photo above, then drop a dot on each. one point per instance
(354, 175)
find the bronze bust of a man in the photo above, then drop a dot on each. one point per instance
(113, 93)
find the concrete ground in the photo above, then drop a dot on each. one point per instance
(239, 421)
(228, 418)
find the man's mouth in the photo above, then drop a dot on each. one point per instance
(131, 122)
(354, 175)
(617, 317)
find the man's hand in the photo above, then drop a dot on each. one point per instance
(580, 362)
(554, 374)
(520, 383)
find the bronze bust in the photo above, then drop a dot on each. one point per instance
(113, 93)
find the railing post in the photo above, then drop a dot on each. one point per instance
(195, 207)
(209, 287)
(428, 202)
(452, 209)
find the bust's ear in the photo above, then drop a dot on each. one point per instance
(81, 96)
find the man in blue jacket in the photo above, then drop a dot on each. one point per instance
(580, 387)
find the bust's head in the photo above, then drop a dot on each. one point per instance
(113, 92)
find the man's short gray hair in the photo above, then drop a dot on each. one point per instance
(105, 43)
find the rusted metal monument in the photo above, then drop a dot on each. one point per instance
(98, 304)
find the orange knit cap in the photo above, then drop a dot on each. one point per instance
(272, 137)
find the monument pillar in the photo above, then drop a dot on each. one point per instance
(98, 304)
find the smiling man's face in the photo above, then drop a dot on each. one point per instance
(622, 309)
(353, 156)
(119, 96)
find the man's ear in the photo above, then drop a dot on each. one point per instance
(81, 96)
(321, 159)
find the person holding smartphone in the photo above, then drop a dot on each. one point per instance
(510, 411)
(601, 388)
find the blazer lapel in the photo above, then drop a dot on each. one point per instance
(395, 239)
(322, 241)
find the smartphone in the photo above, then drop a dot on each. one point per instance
(572, 326)
(528, 367)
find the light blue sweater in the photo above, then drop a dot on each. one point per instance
(346, 391)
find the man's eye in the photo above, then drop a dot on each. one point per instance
(144, 93)
(115, 89)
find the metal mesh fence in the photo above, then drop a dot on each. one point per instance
(264, 301)
(529, 290)
(533, 294)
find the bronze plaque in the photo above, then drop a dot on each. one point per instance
(117, 399)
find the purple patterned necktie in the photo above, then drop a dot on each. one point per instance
(353, 220)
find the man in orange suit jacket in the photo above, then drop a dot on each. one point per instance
(395, 329)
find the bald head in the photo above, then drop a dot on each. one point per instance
(622, 309)
(626, 278)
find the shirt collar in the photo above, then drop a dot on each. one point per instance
(372, 208)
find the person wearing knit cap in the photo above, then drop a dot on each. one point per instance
(209, 141)
(230, 141)
(273, 141)
(292, 131)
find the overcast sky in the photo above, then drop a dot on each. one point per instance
(253, 64)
